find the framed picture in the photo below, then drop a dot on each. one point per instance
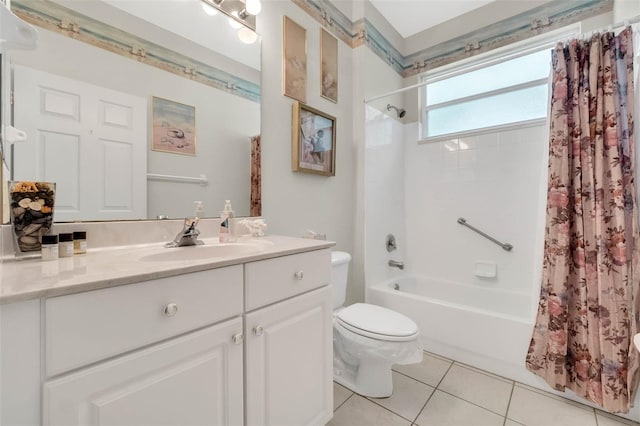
(314, 141)
(174, 127)
(295, 60)
(329, 61)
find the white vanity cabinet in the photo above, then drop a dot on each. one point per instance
(247, 344)
(193, 379)
(289, 355)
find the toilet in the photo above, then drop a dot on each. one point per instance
(368, 339)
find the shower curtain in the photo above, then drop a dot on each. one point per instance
(588, 310)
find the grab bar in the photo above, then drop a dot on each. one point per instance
(505, 246)
(202, 180)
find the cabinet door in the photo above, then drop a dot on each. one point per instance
(195, 379)
(289, 363)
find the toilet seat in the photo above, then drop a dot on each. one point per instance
(377, 323)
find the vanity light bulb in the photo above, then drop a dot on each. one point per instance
(209, 10)
(247, 36)
(253, 6)
(235, 24)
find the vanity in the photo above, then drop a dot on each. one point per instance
(145, 335)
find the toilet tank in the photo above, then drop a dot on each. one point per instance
(339, 272)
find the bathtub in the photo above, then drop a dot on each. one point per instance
(486, 328)
(480, 326)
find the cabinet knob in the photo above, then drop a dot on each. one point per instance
(237, 338)
(171, 309)
(258, 330)
(299, 275)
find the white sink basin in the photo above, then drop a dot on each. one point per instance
(209, 251)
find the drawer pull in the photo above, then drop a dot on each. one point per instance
(299, 275)
(171, 309)
(258, 330)
(237, 338)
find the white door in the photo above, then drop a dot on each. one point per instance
(289, 362)
(191, 380)
(89, 140)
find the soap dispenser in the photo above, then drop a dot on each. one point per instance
(199, 213)
(226, 233)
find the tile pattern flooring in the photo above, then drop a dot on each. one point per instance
(445, 393)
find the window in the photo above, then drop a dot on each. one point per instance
(503, 91)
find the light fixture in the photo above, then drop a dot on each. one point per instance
(240, 12)
(209, 10)
(253, 7)
(234, 22)
(247, 36)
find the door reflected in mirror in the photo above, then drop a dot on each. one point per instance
(85, 99)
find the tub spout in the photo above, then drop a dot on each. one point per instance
(396, 264)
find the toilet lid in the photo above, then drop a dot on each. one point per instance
(367, 319)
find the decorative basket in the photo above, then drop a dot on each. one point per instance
(31, 211)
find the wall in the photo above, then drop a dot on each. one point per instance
(294, 202)
(497, 182)
(384, 194)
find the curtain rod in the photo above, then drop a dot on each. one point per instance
(622, 24)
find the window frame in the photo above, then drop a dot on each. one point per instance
(548, 41)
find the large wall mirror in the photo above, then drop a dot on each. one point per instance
(136, 109)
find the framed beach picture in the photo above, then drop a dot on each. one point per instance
(329, 66)
(314, 141)
(295, 60)
(174, 127)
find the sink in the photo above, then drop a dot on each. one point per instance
(209, 251)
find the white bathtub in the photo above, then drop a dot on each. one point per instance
(484, 327)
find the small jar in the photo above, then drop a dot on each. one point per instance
(79, 242)
(65, 245)
(49, 247)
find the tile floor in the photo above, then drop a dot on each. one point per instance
(442, 392)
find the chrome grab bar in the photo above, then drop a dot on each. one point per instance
(505, 246)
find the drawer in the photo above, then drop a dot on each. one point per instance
(86, 327)
(268, 281)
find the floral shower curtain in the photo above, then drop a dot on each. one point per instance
(588, 311)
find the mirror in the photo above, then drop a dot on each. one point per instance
(136, 109)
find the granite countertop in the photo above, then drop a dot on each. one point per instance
(25, 279)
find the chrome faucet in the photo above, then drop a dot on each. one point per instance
(396, 264)
(188, 236)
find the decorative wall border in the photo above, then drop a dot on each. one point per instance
(550, 16)
(61, 20)
(542, 19)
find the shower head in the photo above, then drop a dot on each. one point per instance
(400, 111)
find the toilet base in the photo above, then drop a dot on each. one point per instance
(372, 378)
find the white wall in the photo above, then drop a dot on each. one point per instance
(497, 182)
(384, 194)
(294, 202)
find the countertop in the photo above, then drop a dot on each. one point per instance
(25, 279)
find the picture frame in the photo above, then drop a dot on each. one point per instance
(295, 60)
(313, 141)
(174, 127)
(328, 66)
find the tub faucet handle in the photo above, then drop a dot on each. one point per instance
(391, 243)
(396, 264)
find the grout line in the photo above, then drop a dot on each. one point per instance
(445, 375)
(424, 406)
(472, 403)
(554, 396)
(513, 386)
(343, 402)
(382, 406)
(595, 414)
(413, 378)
